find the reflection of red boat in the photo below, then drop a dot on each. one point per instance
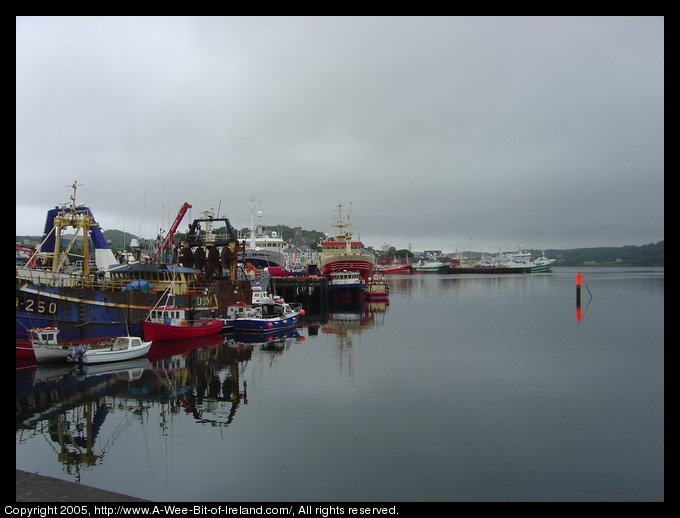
(171, 323)
(160, 350)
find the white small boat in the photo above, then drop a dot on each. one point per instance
(45, 345)
(119, 349)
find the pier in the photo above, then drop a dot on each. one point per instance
(311, 291)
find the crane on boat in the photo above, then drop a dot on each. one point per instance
(171, 233)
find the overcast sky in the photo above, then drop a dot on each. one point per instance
(444, 133)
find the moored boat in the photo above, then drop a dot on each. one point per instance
(377, 287)
(263, 249)
(118, 349)
(46, 347)
(396, 269)
(346, 281)
(177, 323)
(268, 316)
(431, 267)
(520, 260)
(101, 297)
(344, 254)
(43, 345)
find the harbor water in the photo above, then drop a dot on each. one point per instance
(487, 388)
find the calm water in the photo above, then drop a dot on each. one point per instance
(464, 388)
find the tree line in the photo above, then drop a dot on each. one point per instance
(651, 254)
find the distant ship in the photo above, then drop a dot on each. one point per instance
(521, 259)
(343, 254)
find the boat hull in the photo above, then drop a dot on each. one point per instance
(53, 353)
(263, 258)
(378, 291)
(364, 267)
(24, 350)
(262, 324)
(162, 332)
(91, 313)
(397, 270)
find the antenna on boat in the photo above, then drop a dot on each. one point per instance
(73, 196)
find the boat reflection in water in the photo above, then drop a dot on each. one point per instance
(349, 315)
(70, 406)
(74, 418)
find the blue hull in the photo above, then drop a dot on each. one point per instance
(262, 324)
(84, 314)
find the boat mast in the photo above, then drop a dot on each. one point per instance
(253, 244)
(342, 224)
(80, 220)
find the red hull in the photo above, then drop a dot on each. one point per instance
(398, 270)
(365, 268)
(161, 332)
(25, 350)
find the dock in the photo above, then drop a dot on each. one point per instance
(311, 291)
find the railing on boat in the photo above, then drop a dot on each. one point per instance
(77, 280)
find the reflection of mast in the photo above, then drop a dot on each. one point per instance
(76, 443)
(69, 406)
(344, 350)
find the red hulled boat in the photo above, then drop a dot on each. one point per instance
(343, 254)
(171, 323)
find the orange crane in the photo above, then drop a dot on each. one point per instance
(171, 233)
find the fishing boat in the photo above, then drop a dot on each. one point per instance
(396, 269)
(269, 316)
(430, 267)
(43, 345)
(117, 349)
(344, 254)
(46, 347)
(177, 323)
(377, 287)
(521, 260)
(263, 249)
(90, 294)
(346, 281)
